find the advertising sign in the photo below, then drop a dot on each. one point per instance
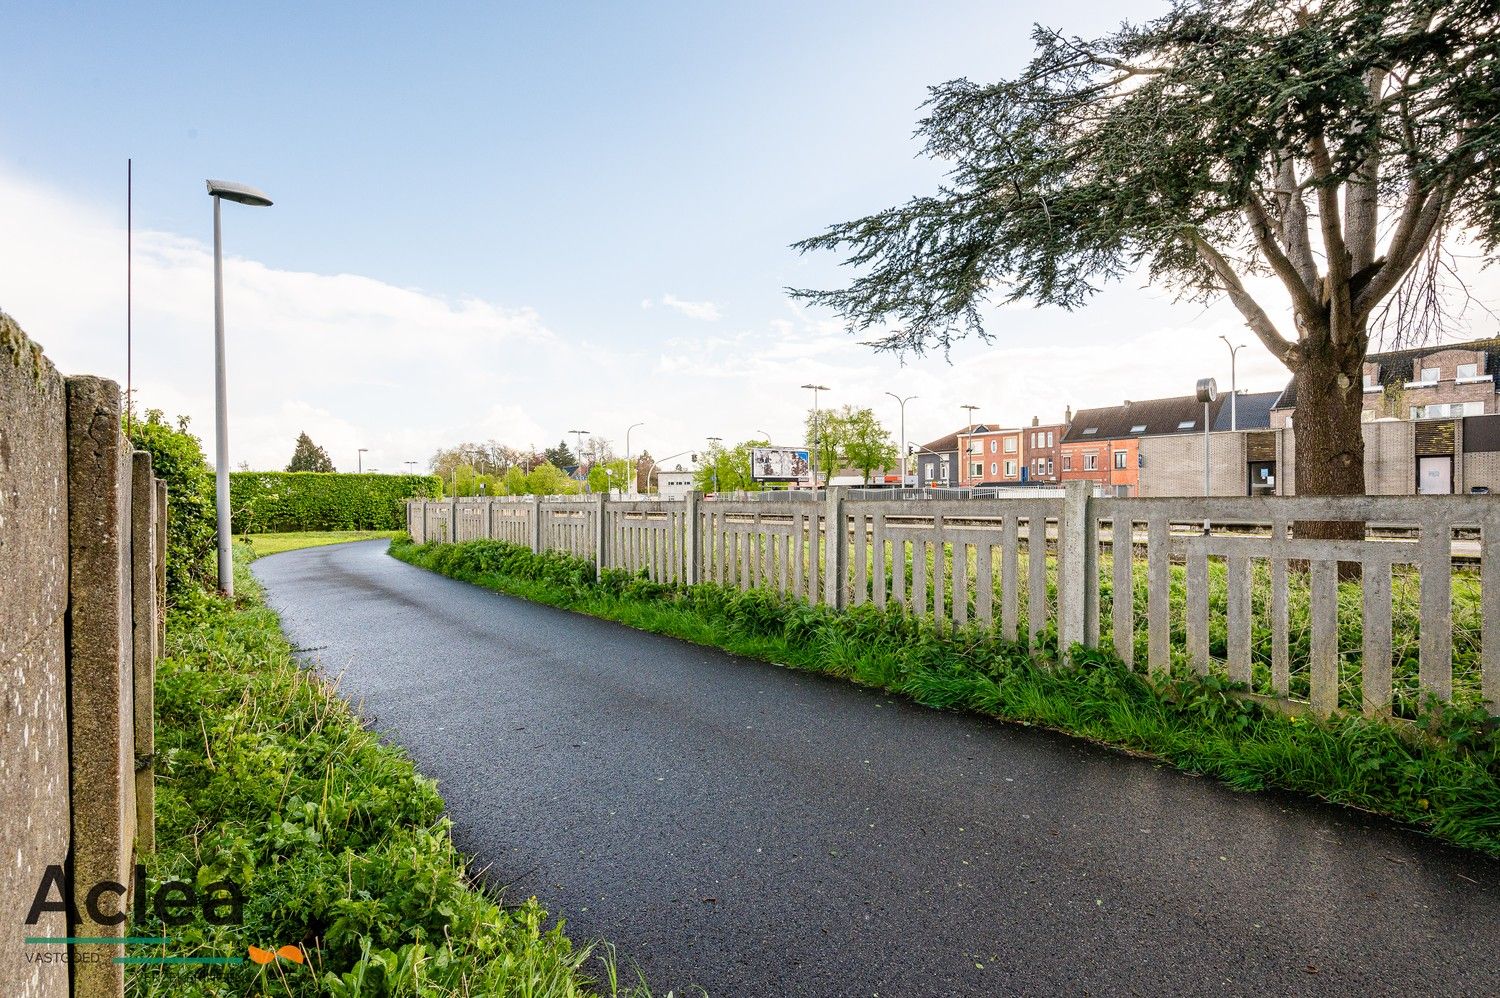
(779, 464)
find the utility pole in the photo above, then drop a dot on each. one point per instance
(716, 441)
(817, 437)
(902, 402)
(361, 459)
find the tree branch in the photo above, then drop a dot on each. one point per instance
(1361, 204)
(1293, 213)
(1336, 290)
(1303, 295)
(1420, 217)
(1255, 317)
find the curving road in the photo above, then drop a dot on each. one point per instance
(764, 832)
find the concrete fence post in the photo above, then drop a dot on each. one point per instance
(835, 550)
(601, 534)
(453, 520)
(143, 617)
(101, 715)
(534, 518)
(693, 537)
(161, 567)
(1074, 551)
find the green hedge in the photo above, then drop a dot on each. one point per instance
(280, 501)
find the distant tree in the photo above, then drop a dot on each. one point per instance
(549, 480)
(867, 444)
(560, 456)
(609, 476)
(309, 456)
(1327, 146)
(726, 469)
(514, 483)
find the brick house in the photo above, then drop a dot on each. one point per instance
(1041, 450)
(1103, 445)
(1442, 381)
(990, 455)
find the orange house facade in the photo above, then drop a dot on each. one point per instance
(1103, 445)
(989, 456)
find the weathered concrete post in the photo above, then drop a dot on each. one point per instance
(1074, 552)
(143, 618)
(101, 720)
(601, 533)
(835, 550)
(453, 520)
(693, 536)
(161, 567)
(534, 518)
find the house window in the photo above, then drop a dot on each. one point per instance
(1049, 465)
(976, 470)
(1010, 469)
(1091, 462)
(1010, 445)
(1138, 428)
(1090, 431)
(1439, 410)
(1049, 438)
(1429, 376)
(993, 467)
(1371, 382)
(1120, 457)
(1187, 424)
(1067, 462)
(1468, 370)
(993, 444)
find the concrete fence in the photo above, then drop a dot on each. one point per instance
(82, 580)
(1268, 602)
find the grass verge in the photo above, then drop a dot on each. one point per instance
(260, 545)
(1441, 775)
(267, 779)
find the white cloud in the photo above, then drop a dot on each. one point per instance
(705, 310)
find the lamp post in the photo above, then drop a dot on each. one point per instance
(221, 190)
(651, 472)
(1208, 390)
(817, 438)
(412, 466)
(716, 441)
(628, 466)
(578, 446)
(902, 402)
(1233, 349)
(361, 459)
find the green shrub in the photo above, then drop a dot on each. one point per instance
(1442, 775)
(283, 501)
(192, 532)
(267, 778)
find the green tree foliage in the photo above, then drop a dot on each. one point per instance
(561, 455)
(309, 456)
(514, 483)
(610, 476)
(867, 444)
(726, 469)
(549, 480)
(1329, 146)
(177, 458)
(276, 501)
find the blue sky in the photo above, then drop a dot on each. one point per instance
(504, 220)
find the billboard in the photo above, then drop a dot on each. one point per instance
(778, 464)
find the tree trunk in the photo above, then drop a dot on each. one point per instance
(1330, 444)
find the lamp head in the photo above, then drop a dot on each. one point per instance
(241, 193)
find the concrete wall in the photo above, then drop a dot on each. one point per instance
(35, 822)
(1390, 459)
(80, 629)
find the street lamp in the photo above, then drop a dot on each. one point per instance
(361, 458)
(412, 465)
(716, 441)
(816, 438)
(1208, 390)
(902, 402)
(1233, 349)
(221, 190)
(628, 465)
(578, 446)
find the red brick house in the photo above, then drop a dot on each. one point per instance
(1434, 382)
(989, 455)
(1041, 450)
(1103, 445)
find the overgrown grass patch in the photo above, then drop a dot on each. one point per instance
(341, 848)
(1441, 775)
(260, 545)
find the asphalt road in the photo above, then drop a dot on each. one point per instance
(761, 832)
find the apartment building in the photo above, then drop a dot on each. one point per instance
(1041, 450)
(1443, 381)
(938, 460)
(991, 455)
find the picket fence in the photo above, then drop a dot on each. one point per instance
(971, 563)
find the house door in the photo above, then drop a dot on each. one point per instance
(1262, 478)
(1435, 476)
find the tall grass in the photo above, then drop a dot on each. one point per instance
(1442, 775)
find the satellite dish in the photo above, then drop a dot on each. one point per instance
(1208, 390)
